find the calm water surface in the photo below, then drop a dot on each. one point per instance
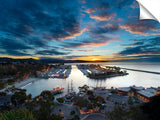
(78, 79)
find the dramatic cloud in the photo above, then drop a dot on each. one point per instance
(61, 28)
(107, 28)
(132, 45)
(94, 42)
(141, 27)
(144, 47)
(103, 16)
(51, 52)
(13, 47)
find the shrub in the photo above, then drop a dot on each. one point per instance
(60, 100)
(72, 112)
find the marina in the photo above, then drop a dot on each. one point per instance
(79, 79)
(100, 72)
(62, 71)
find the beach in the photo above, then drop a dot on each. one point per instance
(21, 83)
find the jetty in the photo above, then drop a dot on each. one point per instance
(141, 70)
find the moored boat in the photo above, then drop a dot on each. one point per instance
(57, 90)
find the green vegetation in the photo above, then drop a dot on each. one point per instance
(10, 73)
(130, 101)
(144, 111)
(47, 95)
(72, 112)
(17, 114)
(60, 100)
(83, 89)
(89, 92)
(152, 108)
(91, 102)
(134, 113)
(19, 97)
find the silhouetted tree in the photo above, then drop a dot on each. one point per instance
(152, 108)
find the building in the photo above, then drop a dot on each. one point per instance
(124, 90)
(145, 95)
(155, 90)
(135, 89)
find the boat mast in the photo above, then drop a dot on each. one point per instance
(71, 86)
(68, 88)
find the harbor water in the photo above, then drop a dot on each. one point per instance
(79, 79)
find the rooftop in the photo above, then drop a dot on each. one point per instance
(146, 93)
(126, 89)
(137, 88)
(151, 90)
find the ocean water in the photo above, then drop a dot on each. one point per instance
(78, 79)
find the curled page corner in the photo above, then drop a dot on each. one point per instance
(149, 9)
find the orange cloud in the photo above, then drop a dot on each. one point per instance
(139, 29)
(101, 18)
(76, 34)
(93, 44)
(100, 44)
(92, 50)
(148, 53)
(90, 10)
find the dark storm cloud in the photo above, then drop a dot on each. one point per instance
(96, 41)
(122, 3)
(134, 44)
(50, 52)
(13, 47)
(12, 44)
(106, 29)
(146, 46)
(37, 22)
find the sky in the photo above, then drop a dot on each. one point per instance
(89, 30)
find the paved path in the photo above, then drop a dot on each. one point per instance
(94, 116)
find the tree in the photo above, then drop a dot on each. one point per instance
(152, 108)
(72, 112)
(47, 95)
(83, 89)
(89, 106)
(89, 92)
(60, 100)
(19, 97)
(135, 113)
(117, 114)
(100, 99)
(130, 101)
(76, 117)
(92, 98)
(3, 94)
(45, 111)
(17, 114)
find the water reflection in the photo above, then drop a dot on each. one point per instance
(134, 78)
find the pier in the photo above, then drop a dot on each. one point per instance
(152, 72)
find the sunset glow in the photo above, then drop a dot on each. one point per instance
(90, 30)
